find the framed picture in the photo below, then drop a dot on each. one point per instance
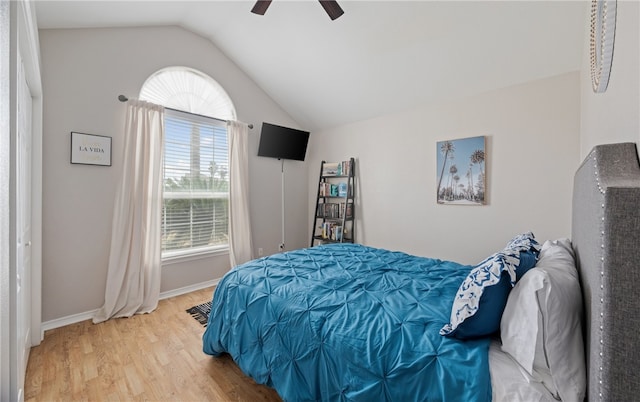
(89, 149)
(461, 171)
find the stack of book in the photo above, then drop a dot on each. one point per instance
(333, 190)
(328, 190)
(334, 210)
(331, 231)
(329, 210)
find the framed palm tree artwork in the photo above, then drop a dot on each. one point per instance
(461, 171)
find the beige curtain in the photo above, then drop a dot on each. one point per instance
(133, 278)
(240, 246)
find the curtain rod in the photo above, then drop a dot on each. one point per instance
(123, 98)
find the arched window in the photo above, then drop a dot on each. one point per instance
(189, 90)
(195, 215)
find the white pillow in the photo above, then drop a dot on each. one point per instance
(541, 325)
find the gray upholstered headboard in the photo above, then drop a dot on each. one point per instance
(606, 238)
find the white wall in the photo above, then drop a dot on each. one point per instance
(614, 116)
(84, 70)
(532, 151)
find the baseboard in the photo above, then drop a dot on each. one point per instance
(189, 289)
(88, 315)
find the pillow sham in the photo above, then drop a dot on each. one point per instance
(541, 325)
(482, 296)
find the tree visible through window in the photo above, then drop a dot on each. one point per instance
(195, 215)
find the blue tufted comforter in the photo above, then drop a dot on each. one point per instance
(346, 322)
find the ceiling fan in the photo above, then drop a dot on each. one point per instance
(330, 6)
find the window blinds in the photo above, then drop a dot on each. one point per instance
(196, 183)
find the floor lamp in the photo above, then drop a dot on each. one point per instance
(281, 245)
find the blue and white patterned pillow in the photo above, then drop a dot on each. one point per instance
(482, 296)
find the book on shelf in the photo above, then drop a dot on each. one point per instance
(349, 210)
(331, 210)
(334, 210)
(342, 189)
(325, 189)
(336, 234)
(336, 168)
(332, 231)
(345, 168)
(333, 190)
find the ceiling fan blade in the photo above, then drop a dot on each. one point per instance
(332, 8)
(261, 7)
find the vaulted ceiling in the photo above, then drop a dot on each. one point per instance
(379, 57)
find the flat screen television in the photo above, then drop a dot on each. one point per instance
(282, 142)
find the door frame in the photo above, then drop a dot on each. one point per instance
(30, 51)
(5, 169)
(18, 31)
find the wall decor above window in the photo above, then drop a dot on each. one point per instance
(603, 33)
(461, 171)
(89, 149)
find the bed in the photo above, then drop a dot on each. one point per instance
(606, 239)
(535, 321)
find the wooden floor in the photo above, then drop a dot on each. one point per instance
(150, 357)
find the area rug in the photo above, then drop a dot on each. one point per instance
(201, 312)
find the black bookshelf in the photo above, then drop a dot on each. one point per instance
(334, 218)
